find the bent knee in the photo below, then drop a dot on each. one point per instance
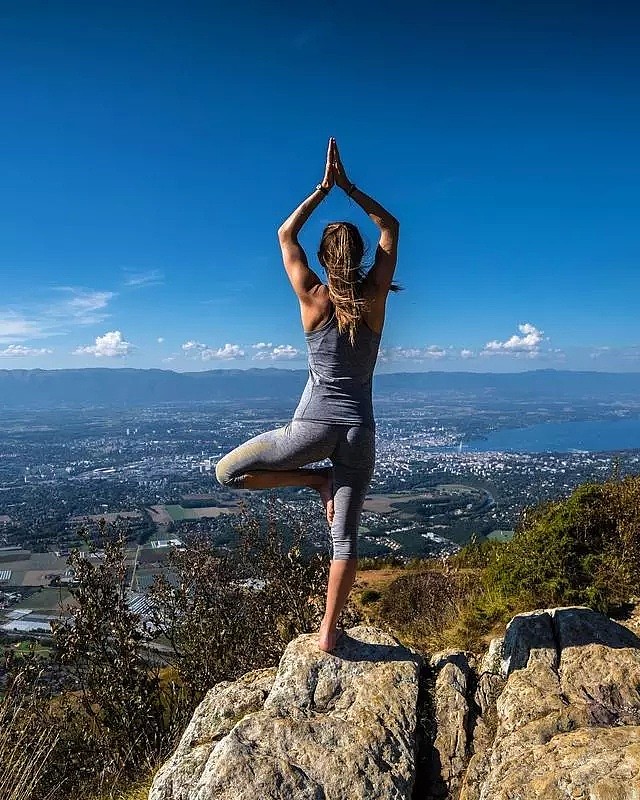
(224, 475)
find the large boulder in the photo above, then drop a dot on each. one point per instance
(325, 727)
(567, 722)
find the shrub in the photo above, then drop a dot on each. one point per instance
(584, 549)
(370, 596)
(224, 614)
(104, 710)
(424, 606)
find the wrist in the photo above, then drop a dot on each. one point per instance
(323, 187)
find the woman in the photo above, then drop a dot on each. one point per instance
(342, 322)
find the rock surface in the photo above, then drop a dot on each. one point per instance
(331, 727)
(550, 712)
(567, 723)
(452, 718)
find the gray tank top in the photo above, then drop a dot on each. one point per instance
(338, 390)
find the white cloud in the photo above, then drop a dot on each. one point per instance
(160, 339)
(16, 327)
(203, 351)
(527, 344)
(111, 345)
(137, 280)
(21, 351)
(37, 320)
(265, 351)
(464, 353)
(193, 347)
(84, 306)
(429, 353)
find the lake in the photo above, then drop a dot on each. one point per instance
(563, 437)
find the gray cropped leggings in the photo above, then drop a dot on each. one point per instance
(300, 442)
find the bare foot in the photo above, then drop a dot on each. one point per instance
(328, 638)
(326, 494)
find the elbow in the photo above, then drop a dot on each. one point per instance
(394, 226)
(391, 228)
(285, 233)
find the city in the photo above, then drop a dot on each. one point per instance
(150, 474)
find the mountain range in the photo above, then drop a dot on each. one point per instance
(135, 387)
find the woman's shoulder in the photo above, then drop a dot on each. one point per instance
(317, 313)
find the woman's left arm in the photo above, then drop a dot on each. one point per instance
(303, 279)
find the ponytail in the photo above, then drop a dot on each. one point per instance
(341, 253)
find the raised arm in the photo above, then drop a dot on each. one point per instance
(380, 276)
(304, 280)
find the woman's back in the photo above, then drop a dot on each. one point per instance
(340, 375)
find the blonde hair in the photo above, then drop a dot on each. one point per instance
(341, 252)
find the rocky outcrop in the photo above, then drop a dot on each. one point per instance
(567, 722)
(323, 727)
(550, 712)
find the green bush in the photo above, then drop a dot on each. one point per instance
(584, 549)
(370, 596)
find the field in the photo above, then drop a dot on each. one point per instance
(178, 513)
(406, 504)
(109, 517)
(47, 599)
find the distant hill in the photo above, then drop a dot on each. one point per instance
(102, 386)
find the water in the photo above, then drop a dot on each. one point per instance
(563, 437)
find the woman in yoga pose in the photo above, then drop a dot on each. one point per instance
(342, 322)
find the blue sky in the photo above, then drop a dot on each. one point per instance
(148, 153)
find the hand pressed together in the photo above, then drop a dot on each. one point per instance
(334, 169)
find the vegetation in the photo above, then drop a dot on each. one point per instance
(584, 549)
(108, 704)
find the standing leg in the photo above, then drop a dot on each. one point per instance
(342, 574)
(353, 468)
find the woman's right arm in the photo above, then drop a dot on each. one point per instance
(384, 265)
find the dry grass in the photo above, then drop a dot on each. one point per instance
(25, 748)
(138, 792)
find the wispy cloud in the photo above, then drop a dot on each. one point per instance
(265, 351)
(203, 352)
(138, 280)
(87, 307)
(630, 353)
(15, 327)
(111, 345)
(22, 351)
(429, 353)
(69, 307)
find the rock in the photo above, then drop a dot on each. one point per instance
(529, 635)
(216, 715)
(492, 659)
(567, 723)
(332, 727)
(452, 713)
